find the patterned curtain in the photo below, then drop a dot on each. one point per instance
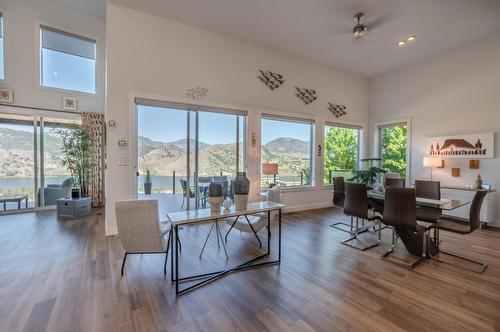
(95, 123)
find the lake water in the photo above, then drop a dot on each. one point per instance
(15, 182)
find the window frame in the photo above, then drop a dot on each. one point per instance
(378, 139)
(39, 63)
(2, 15)
(312, 164)
(359, 128)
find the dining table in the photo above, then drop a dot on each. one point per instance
(413, 241)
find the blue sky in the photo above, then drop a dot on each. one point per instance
(272, 129)
(66, 71)
(168, 125)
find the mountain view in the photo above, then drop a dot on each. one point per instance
(163, 158)
(16, 153)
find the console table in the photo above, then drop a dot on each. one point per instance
(196, 217)
(488, 210)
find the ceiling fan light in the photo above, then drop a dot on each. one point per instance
(412, 38)
(401, 43)
(359, 30)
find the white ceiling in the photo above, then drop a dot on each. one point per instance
(320, 30)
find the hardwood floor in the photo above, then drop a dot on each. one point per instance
(65, 276)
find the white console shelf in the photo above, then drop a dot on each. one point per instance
(488, 209)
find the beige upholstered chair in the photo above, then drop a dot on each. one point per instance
(256, 222)
(140, 229)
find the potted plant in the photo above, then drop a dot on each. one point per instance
(78, 157)
(147, 183)
(368, 176)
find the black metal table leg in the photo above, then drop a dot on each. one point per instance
(211, 276)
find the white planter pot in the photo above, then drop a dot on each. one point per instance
(240, 202)
(215, 203)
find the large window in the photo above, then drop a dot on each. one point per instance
(67, 61)
(2, 75)
(393, 140)
(184, 148)
(287, 142)
(341, 151)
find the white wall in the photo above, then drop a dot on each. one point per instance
(149, 56)
(21, 51)
(454, 93)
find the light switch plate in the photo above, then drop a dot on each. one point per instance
(122, 162)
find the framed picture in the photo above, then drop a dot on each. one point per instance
(69, 103)
(6, 96)
(475, 146)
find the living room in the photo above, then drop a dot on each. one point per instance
(213, 118)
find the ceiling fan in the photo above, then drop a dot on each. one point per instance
(359, 29)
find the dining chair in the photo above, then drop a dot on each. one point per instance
(220, 178)
(256, 222)
(400, 212)
(186, 191)
(140, 229)
(338, 200)
(431, 190)
(356, 206)
(390, 182)
(204, 179)
(460, 228)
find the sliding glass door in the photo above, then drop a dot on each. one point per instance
(183, 149)
(32, 171)
(17, 162)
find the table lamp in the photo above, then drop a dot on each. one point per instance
(270, 169)
(433, 162)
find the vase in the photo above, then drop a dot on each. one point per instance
(240, 202)
(75, 193)
(479, 182)
(147, 188)
(241, 184)
(226, 204)
(215, 203)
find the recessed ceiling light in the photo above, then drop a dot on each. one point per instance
(401, 43)
(412, 38)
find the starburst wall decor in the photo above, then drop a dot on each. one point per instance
(337, 110)
(196, 93)
(270, 79)
(306, 95)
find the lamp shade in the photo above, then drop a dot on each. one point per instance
(433, 162)
(269, 169)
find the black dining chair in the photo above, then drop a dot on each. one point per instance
(461, 228)
(338, 200)
(356, 206)
(400, 212)
(390, 182)
(430, 190)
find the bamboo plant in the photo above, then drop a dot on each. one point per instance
(78, 151)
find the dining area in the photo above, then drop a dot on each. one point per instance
(414, 216)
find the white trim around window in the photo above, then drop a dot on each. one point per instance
(377, 142)
(361, 136)
(99, 66)
(312, 150)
